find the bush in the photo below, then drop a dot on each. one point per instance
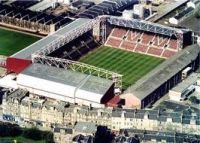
(48, 136)
(36, 134)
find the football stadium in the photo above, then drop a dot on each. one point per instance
(96, 59)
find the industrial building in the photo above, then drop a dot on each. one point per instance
(159, 81)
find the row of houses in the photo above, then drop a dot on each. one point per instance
(46, 113)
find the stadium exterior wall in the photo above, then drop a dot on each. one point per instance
(17, 65)
(162, 90)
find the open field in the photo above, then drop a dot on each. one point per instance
(131, 65)
(12, 42)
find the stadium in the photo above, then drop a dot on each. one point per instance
(97, 59)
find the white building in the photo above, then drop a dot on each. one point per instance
(66, 85)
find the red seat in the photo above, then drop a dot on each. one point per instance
(155, 51)
(128, 45)
(141, 48)
(113, 42)
(168, 54)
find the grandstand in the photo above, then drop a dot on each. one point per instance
(143, 42)
(37, 22)
(146, 38)
(77, 47)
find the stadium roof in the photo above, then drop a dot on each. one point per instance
(67, 77)
(145, 26)
(41, 44)
(163, 72)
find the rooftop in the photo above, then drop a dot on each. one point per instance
(85, 127)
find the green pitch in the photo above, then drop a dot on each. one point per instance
(131, 65)
(12, 42)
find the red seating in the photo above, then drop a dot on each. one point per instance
(168, 54)
(173, 44)
(133, 35)
(160, 41)
(138, 41)
(155, 51)
(120, 33)
(146, 38)
(113, 42)
(141, 48)
(128, 45)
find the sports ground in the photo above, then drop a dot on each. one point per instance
(131, 65)
(12, 42)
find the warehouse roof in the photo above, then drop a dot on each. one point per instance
(28, 51)
(163, 72)
(78, 80)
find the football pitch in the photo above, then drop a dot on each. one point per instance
(131, 65)
(12, 42)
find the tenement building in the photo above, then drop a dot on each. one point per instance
(47, 113)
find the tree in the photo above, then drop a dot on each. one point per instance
(32, 133)
(103, 135)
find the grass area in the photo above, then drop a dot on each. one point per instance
(131, 65)
(19, 139)
(12, 42)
